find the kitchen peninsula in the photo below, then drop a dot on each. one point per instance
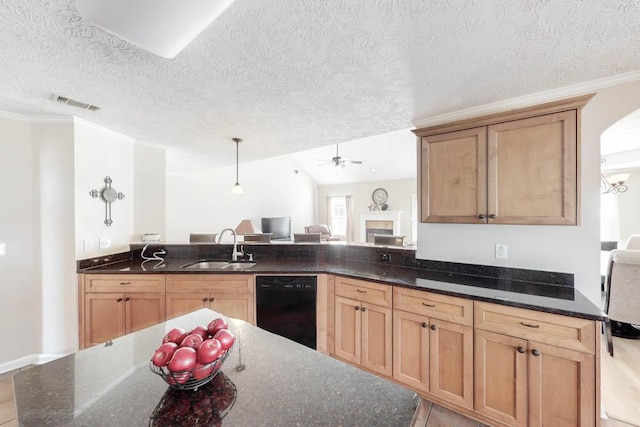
(282, 383)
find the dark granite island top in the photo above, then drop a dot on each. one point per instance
(283, 384)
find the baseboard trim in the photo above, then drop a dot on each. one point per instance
(32, 359)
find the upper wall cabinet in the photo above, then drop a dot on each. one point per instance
(519, 167)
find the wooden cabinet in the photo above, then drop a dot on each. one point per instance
(431, 354)
(539, 370)
(228, 294)
(516, 168)
(362, 326)
(114, 305)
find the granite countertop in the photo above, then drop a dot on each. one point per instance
(283, 384)
(551, 298)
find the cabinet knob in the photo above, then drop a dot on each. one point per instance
(434, 327)
(492, 216)
(205, 299)
(482, 216)
(357, 308)
(212, 299)
(424, 324)
(364, 308)
(535, 352)
(520, 349)
(119, 300)
(127, 299)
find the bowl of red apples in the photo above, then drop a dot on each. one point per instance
(188, 360)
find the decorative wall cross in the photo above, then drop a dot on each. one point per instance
(108, 195)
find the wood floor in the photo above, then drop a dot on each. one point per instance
(620, 393)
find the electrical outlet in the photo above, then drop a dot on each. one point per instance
(104, 242)
(501, 251)
(88, 245)
(385, 257)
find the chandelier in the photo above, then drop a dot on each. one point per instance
(613, 184)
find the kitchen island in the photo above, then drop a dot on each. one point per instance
(279, 383)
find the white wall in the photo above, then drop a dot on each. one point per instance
(149, 198)
(566, 249)
(20, 291)
(400, 193)
(201, 202)
(628, 208)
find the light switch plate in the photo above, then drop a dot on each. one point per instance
(501, 251)
(104, 242)
(87, 245)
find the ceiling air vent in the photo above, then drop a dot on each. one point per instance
(75, 103)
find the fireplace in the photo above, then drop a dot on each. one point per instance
(379, 222)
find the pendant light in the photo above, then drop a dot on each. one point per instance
(237, 188)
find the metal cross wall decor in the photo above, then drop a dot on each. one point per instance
(108, 195)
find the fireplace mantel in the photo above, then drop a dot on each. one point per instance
(393, 216)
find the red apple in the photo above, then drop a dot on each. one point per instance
(202, 371)
(175, 335)
(200, 330)
(216, 324)
(192, 341)
(184, 359)
(209, 351)
(174, 378)
(164, 353)
(226, 338)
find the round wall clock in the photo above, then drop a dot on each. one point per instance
(379, 196)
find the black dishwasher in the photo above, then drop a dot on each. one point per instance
(286, 306)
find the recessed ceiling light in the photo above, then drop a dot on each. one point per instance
(162, 27)
(373, 169)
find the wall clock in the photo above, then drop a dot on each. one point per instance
(379, 196)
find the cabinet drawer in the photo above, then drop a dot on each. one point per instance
(219, 283)
(361, 290)
(124, 283)
(561, 331)
(437, 306)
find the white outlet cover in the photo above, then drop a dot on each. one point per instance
(501, 251)
(104, 242)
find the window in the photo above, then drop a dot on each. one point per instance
(338, 215)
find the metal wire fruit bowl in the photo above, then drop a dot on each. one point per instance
(192, 379)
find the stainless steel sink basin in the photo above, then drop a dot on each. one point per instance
(218, 265)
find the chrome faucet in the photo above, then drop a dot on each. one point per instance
(235, 254)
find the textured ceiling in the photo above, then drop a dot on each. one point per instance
(287, 76)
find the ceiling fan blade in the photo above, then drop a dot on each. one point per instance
(355, 162)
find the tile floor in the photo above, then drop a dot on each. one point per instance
(620, 393)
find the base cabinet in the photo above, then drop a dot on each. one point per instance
(228, 294)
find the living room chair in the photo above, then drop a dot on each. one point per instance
(622, 302)
(306, 237)
(324, 230)
(388, 240)
(258, 237)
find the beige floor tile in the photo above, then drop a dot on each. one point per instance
(7, 412)
(441, 417)
(621, 381)
(614, 423)
(11, 423)
(6, 391)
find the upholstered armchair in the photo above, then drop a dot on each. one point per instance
(324, 230)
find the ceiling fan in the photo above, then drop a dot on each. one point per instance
(338, 161)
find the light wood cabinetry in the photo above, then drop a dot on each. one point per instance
(520, 167)
(114, 305)
(228, 294)
(534, 369)
(433, 344)
(363, 324)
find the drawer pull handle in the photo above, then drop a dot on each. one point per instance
(428, 305)
(528, 325)
(520, 349)
(434, 327)
(357, 308)
(424, 324)
(124, 283)
(361, 291)
(119, 300)
(535, 352)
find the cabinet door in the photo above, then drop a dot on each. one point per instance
(451, 362)
(104, 317)
(239, 306)
(143, 310)
(532, 170)
(376, 339)
(561, 387)
(347, 330)
(411, 349)
(500, 377)
(179, 304)
(453, 177)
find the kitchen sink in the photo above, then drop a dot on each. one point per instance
(218, 265)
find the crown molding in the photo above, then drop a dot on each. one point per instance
(36, 119)
(529, 100)
(111, 132)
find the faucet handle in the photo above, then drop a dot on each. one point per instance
(250, 256)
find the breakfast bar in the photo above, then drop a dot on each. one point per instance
(267, 380)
